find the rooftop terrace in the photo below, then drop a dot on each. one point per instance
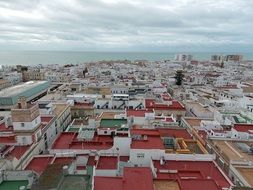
(111, 123)
(12, 185)
(68, 140)
(247, 174)
(133, 179)
(192, 174)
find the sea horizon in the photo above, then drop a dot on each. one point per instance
(62, 57)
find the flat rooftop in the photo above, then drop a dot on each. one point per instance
(108, 115)
(230, 151)
(247, 174)
(13, 185)
(192, 174)
(18, 151)
(20, 88)
(198, 107)
(68, 140)
(152, 139)
(193, 121)
(175, 132)
(59, 108)
(39, 164)
(74, 182)
(107, 163)
(46, 119)
(166, 185)
(139, 178)
(111, 123)
(51, 97)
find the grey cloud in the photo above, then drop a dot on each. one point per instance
(125, 24)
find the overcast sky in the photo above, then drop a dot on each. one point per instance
(127, 25)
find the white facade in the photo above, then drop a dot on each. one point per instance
(21, 126)
(143, 157)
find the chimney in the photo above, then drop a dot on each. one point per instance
(22, 104)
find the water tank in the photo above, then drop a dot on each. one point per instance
(65, 170)
(22, 188)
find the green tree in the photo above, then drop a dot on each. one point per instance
(85, 71)
(179, 77)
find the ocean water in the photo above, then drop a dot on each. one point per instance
(75, 57)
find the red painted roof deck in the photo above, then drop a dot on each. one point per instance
(63, 160)
(107, 163)
(68, 140)
(18, 151)
(198, 184)
(83, 105)
(133, 179)
(164, 119)
(151, 104)
(46, 119)
(138, 179)
(151, 132)
(153, 140)
(166, 96)
(8, 139)
(110, 183)
(247, 128)
(202, 134)
(137, 113)
(124, 158)
(3, 128)
(150, 143)
(196, 171)
(39, 164)
(174, 132)
(91, 161)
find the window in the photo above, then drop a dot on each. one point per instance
(105, 132)
(140, 155)
(22, 124)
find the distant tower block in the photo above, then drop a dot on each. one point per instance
(22, 104)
